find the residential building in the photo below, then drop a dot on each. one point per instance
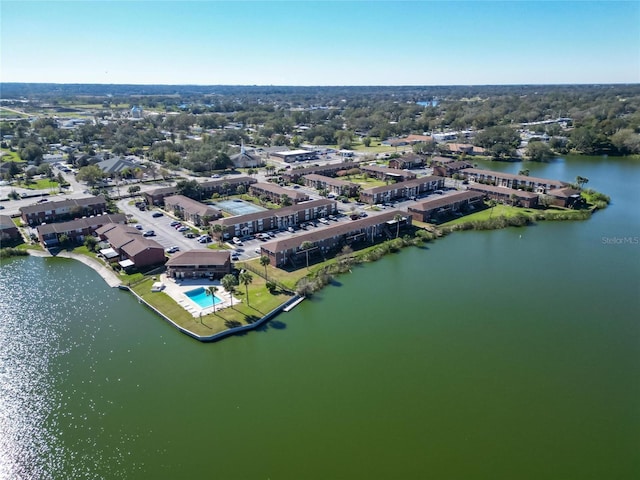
(280, 218)
(332, 185)
(198, 263)
(75, 230)
(450, 168)
(275, 194)
(157, 195)
(384, 173)
(190, 210)
(510, 180)
(409, 160)
(395, 191)
(225, 186)
(9, 233)
(329, 170)
(61, 211)
(506, 195)
(327, 241)
(436, 209)
(134, 250)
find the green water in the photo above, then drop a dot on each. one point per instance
(511, 354)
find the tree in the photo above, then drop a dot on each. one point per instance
(264, 261)
(538, 152)
(305, 247)
(225, 188)
(90, 242)
(217, 231)
(211, 290)
(90, 174)
(189, 188)
(397, 217)
(229, 282)
(134, 189)
(285, 200)
(366, 141)
(492, 204)
(241, 190)
(246, 278)
(581, 181)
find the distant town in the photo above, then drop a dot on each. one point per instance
(203, 202)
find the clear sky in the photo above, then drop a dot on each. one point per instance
(320, 43)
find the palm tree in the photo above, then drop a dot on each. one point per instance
(306, 246)
(264, 261)
(212, 291)
(580, 180)
(246, 278)
(225, 188)
(397, 217)
(492, 203)
(229, 281)
(217, 230)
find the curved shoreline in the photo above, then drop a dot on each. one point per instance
(108, 275)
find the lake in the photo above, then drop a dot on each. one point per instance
(485, 355)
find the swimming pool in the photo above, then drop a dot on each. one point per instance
(199, 295)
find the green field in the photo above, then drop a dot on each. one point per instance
(261, 302)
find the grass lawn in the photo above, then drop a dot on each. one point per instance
(509, 211)
(43, 184)
(261, 302)
(9, 156)
(365, 182)
(498, 211)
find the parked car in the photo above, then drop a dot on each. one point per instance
(173, 249)
(237, 241)
(183, 229)
(204, 239)
(332, 217)
(149, 233)
(175, 223)
(323, 220)
(290, 229)
(139, 227)
(157, 214)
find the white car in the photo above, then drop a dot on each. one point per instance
(173, 249)
(323, 220)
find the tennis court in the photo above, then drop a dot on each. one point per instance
(237, 207)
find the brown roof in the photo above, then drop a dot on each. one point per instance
(511, 176)
(445, 200)
(270, 187)
(329, 180)
(69, 203)
(341, 228)
(192, 206)
(140, 244)
(6, 222)
(83, 223)
(199, 256)
(278, 212)
(217, 183)
(480, 187)
(565, 192)
(408, 183)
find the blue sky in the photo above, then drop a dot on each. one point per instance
(320, 43)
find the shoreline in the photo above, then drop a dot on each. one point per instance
(107, 275)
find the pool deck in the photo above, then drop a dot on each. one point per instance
(177, 289)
